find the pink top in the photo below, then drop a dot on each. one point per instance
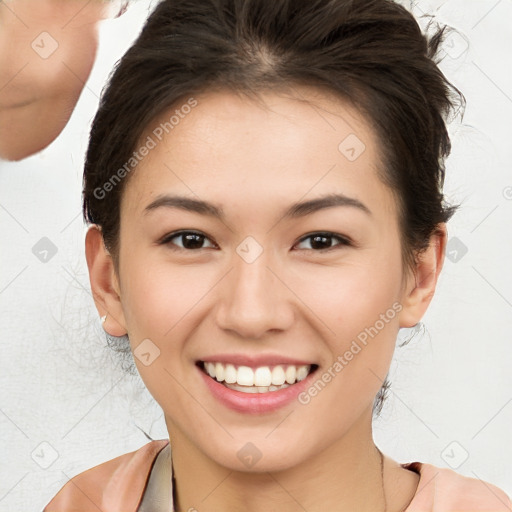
(120, 484)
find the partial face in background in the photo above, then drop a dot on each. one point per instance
(47, 50)
(252, 281)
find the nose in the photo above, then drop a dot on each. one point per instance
(255, 299)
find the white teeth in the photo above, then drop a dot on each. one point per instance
(230, 374)
(302, 373)
(219, 372)
(290, 374)
(278, 376)
(262, 378)
(245, 376)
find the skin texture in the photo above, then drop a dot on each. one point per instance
(40, 88)
(254, 161)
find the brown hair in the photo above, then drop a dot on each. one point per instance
(371, 53)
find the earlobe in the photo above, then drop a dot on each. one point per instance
(422, 283)
(104, 285)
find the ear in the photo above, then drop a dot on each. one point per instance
(421, 283)
(104, 282)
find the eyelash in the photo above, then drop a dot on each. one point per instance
(344, 241)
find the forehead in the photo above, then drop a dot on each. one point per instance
(281, 146)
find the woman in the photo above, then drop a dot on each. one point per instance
(264, 187)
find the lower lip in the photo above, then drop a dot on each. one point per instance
(255, 403)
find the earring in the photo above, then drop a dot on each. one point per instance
(408, 333)
(120, 343)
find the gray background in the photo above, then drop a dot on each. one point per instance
(66, 405)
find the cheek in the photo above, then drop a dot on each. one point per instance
(364, 301)
(158, 305)
(160, 299)
(351, 297)
(359, 305)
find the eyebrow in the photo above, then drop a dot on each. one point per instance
(296, 210)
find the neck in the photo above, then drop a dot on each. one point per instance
(345, 476)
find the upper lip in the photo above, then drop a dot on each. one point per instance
(255, 361)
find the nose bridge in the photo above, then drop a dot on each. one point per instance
(253, 299)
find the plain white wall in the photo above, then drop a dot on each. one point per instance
(65, 404)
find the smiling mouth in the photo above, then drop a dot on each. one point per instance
(262, 379)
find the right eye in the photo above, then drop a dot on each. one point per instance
(190, 240)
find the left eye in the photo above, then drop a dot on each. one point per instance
(322, 241)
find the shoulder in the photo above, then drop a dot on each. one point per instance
(117, 484)
(444, 490)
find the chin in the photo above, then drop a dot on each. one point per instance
(20, 120)
(258, 453)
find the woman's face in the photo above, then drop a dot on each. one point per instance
(254, 288)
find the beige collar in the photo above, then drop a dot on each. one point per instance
(158, 494)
